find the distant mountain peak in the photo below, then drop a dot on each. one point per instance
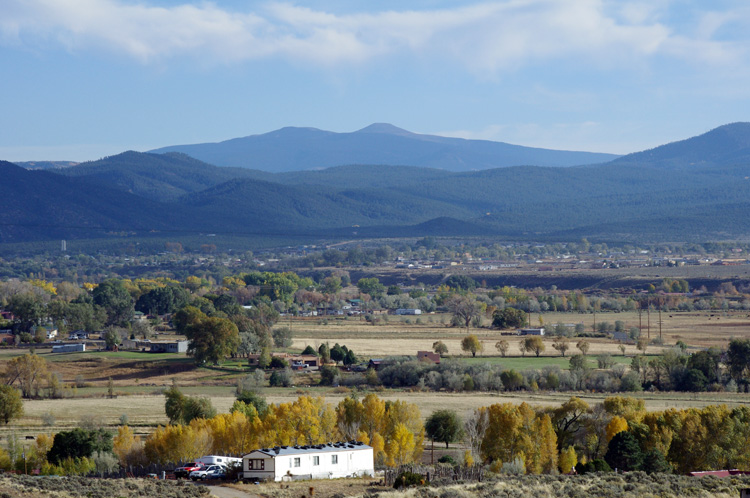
(385, 128)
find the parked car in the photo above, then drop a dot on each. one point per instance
(203, 473)
(186, 469)
(217, 475)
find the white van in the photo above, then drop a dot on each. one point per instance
(220, 460)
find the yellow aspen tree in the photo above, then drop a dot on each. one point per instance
(544, 446)
(400, 447)
(616, 425)
(350, 416)
(126, 446)
(362, 437)
(504, 423)
(374, 420)
(688, 446)
(329, 429)
(631, 409)
(568, 460)
(378, 447)
(401, 412)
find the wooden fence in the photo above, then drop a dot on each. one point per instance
(442, 474)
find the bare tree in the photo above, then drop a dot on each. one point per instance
(475, 428)
(502, 346)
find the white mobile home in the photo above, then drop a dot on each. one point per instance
(69, 348)
(323, 461)
(408, 311)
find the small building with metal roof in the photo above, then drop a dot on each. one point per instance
(321, 461)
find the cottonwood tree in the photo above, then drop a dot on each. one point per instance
(212, 339)
(113, 296)
(444, 426)
(562, 345)
(465, 308)
(509, 318)
(29, 371)
(472, 344)
(11, 405)
(534, 344)
(502, 346)
(583, 345)
(440, 348)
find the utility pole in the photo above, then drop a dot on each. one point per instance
(648, 318)
(660, 338)
(594, 319)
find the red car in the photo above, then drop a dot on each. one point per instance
(186, 469)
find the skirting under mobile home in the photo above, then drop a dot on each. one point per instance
(324, 461)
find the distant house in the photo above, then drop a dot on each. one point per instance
(6, 338)
(322, 461)
(375, 363)
(538, 331)
(428, 356)
(311, 361)
(169, 347)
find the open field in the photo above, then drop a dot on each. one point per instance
(144, 412)
(697, 329)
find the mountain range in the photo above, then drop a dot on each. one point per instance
(695, 189)
(300, 149)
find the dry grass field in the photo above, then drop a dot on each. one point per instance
(397, 337)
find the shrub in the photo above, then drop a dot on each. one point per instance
(278, 363)
(408, 479)
(447, 459)
(281, 378)
(596, 465)
(328, 375)
(48, 419)
(516, 468)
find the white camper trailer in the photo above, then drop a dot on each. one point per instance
(323, 461)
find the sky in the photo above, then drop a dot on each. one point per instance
(83, 79)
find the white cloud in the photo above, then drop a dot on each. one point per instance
(485, 37)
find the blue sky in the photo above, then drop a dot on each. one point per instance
(81, 79)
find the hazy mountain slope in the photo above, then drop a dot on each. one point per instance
(43, 205)
(292, 149)
(726, 145)
(272, 206)
(361, 176)
(156, 176)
